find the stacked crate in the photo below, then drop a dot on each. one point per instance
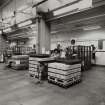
(37, 67)
(19, 62)
(64, 74)
(33, 67)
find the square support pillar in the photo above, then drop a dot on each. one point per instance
(43, 36)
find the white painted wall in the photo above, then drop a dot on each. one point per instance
(100, 58)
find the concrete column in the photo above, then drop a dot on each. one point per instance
(43, 36)
(37, 37)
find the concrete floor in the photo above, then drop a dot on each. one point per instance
(16, 88)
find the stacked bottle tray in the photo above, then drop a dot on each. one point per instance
(37, 67)
(19, 62)
(64, 74)
(33, 67)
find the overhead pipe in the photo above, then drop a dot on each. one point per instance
(39, 3)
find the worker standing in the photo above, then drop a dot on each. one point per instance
(93, 54)
(40, 70)
(57, 51)
(34, 49)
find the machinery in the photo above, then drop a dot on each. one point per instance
(83, 53)
(17, 57)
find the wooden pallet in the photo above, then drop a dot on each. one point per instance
(33, 73)
(64, 83)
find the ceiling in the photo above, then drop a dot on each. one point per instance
(3, 3)
(78, 25)
(76, 22)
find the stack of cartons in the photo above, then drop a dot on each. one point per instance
(33, 67)
(20, 62)
(38, 67)
(64, 74)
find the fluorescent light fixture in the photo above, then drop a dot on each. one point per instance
(80, 5)
(66, 9)
(7, 30)
(91, 28)
(25, 23)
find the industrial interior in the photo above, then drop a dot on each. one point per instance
(52, 52)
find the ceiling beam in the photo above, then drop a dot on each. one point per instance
(5, 3)
(93, 12)
(39, 3)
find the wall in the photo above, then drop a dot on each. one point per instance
(82, 38)
(23, 11)
(2, 44)
(30, 42)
